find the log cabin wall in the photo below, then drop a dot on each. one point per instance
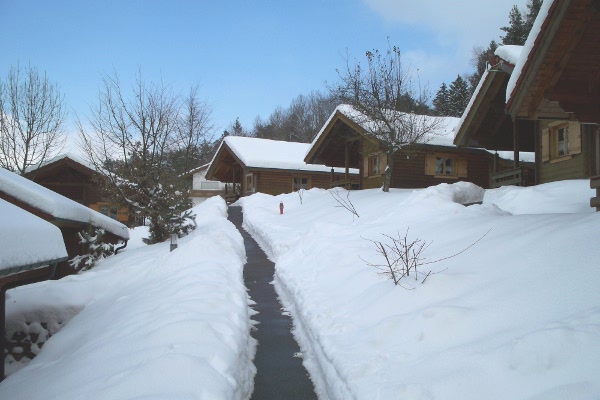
(276, 182)
(578, 162)
(410, 168)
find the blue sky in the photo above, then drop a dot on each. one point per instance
(247, 56)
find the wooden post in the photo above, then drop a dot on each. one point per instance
(516, 144)
(347, 163)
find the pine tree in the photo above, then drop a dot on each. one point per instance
(516, 32)
(533, 8)
(459, 95)
(441, 102)
(480, 61)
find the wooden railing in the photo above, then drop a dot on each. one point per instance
(595, 184)
(345, 183)
(509, 177)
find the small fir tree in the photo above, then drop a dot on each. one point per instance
(441, 102)
(93, 239)
(459, 96)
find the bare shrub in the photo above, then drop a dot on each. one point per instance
(404, 257)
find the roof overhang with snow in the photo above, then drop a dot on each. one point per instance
(54, 207)
(485, 123)
(338, 133)
(347, 128)
(558, 73)
(237, 152)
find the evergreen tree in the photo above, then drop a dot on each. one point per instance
(516, 32)
(459, 95)
(533, 8)
(441, 102)
(480, 61)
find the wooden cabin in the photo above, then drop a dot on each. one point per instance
(344, 141)
(485, 123)
(69, 216)
(558, 88)
(250, 165)
(202, 188)
(552, 97)
(77, 180)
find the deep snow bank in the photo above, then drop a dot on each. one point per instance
(145, 323)
(516, 316)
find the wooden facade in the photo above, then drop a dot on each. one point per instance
(244, 179)
(554, 104)
(345, 143)
(559, 89)
(71, 178)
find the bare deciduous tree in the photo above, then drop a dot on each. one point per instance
(130, 138)
(386, 104)
(32, 114)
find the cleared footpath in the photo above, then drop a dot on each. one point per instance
(279, 374)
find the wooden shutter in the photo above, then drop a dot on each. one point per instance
(365, 165)
(545, 144)
(575, 138)
(461, 167)
(430, 164)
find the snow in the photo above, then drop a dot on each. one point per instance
(274, 154)
(442, 136)
(27, 239)
(529, 43)
(59, 157)
(55, 204)
(516, 316)
(509, 52)
(146, 323)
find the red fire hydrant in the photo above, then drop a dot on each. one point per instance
(281, 207)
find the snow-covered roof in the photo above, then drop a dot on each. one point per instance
(26, 239)
(55, 204)
(509, 53)
(442, 136)
(59, 157)
(273, 154)
(524, 56)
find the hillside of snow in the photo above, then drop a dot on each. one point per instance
(516, 316)
(146, 323)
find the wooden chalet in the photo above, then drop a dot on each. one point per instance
(69, 216)
(251, 165)
(75, 179)
(345, 142)
(553, 95)
(485, 123)
(201, 188)
(31, 251)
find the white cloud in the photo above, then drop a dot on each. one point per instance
(468, 21)
(457, 27)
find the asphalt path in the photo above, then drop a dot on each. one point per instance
(280, 374)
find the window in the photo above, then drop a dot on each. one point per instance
(250, 183)
(445, 165)
(374, 164)
(300, 183)
(560, 141)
